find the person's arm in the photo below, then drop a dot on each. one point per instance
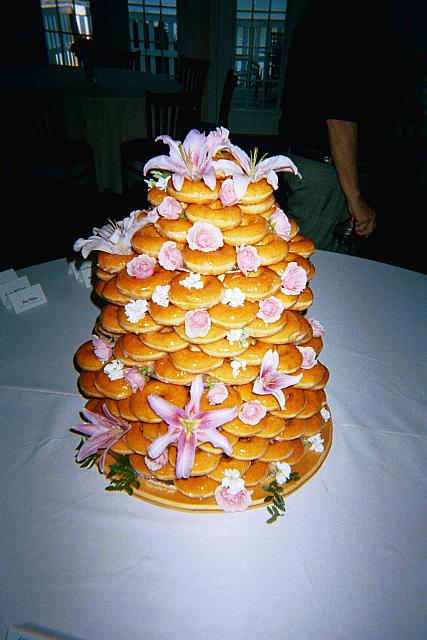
(342, 136)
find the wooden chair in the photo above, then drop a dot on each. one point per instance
(192, 74)
(167, 114)
(39, 155)
(119, 58)
(230, 84)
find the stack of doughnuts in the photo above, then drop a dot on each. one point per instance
(217, 315)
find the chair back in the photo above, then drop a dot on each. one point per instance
(167, 114)
(227, 95)
(119, 58)
(40, 115)
(192, 74)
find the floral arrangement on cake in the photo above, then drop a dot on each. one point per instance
(204, 387)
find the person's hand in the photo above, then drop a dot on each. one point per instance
(363, 216)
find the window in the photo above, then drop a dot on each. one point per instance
(258, 52)
(63, 20)
(153, 29)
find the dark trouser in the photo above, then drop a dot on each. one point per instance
(316, 202)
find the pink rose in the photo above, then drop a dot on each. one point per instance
(204, 236)
(135, 379)
(156, 463)
(169, 208)
(170, 257)
(101, 349)
(248, 259)
(227, 195)
(294, 279)
(233, 502)
(141, 267)
(280, 223)
(308, 357)
(252, 412)
(217, 394)
(318, 330)
(197, 323)
(270, 310)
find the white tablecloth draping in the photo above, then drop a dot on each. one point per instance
(348, 559)
(104, 113)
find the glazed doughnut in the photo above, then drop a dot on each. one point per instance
(95, 405)
(295, 403)
(109, 319)
(196, 487)
(165, 340)
(153, 430)
(298, 452)
(231, 401)
(214, 334)
(260, 329)
(305, 329)
(138, 464)
(257, 472)
(194, 192)
(121, 447)
(224, 315)
(132, 347)
(272, 426)
(209, 262)
(194, 361)
(113, 262)
(136, 440)
(238, 428)
(292, 430)
(251, 230)
(127, 360)
(209, 448)
(169, 316)
(323, 382)
(139, 404)
(226, 374)
(257, 285)
(311, 377)
(247, 395)
(290, 332)
(103, 275)
(277, 451)
(255, 353)
(223, 349)
(302, 246)
(115, 389)
(315, 343)
(204, 462)
(304, 300)
(272, 249)
(111, 293)
(188, 299)
(250, 448)
(86, 384)
(312, 425)
(227, 463)
(148, 240)
(175, 230)
(258, 208)
(123, 407)
(290, 358)
(308, 266)
(86, 359)
(166, 372)
(142, 288)
(223, 218)
(144, 325)
(257, 192)
(155, 196)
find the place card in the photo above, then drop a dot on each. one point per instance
(27, 298)
(13, 286)
(7, 275)
(78, 271)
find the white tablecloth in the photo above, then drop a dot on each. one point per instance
(104, 113)
(348, 560)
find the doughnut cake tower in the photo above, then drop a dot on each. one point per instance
(202, 374)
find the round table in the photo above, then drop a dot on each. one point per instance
(346, 561)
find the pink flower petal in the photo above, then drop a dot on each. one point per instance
(166, 410)
(186, 452)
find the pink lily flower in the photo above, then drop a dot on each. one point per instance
(250, 169)
(191, 159)
(188, 426)
(103, 433)
(271, 381)
(114, 237)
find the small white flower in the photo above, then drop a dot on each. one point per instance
(232, 481)
(316, 443)
(161, 295)
(236, 365)
(158, 180)
(238, 335)
(136, 310)
(234, 297)
(283, 472)
(192, 281)
(325, 414)
(114, 370)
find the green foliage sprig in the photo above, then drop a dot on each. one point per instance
(275, 502)
(122, 476)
